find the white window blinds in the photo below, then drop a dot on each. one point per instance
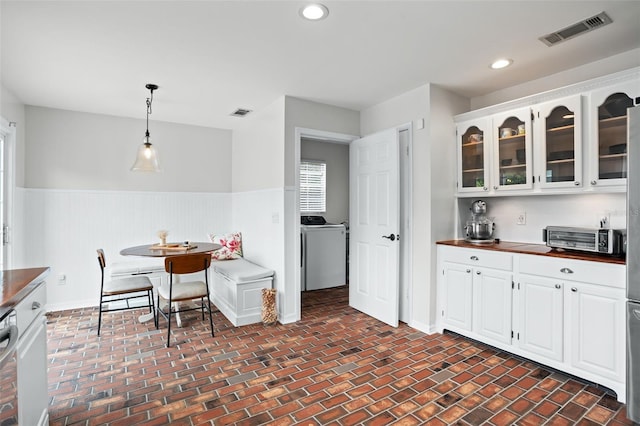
(313, 187)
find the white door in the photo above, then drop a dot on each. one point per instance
(374, 202)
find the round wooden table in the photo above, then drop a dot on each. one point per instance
(152, 250)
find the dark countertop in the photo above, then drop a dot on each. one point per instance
(18, 284)
(537, 249)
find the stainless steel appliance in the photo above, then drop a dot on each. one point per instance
(8, 370)
(633, 264)
(479, 228)
(596, 240)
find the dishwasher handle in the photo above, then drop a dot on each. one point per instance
(11, 334)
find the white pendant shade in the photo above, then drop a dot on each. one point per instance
(147, 159)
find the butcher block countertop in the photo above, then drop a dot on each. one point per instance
(16, 285)
(537, 249)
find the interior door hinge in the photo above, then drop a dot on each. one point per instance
(443, 312)
(512, 334)
(518, 336)
(513, 285)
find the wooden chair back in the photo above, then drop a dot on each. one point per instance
(187, 263)
(101, 259)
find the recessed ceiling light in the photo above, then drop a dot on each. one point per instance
(501, 63)
(314, 12)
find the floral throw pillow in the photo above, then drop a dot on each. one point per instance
(231, 246)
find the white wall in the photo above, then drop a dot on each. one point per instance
(76, 150)
(258, 150)
(316, 116)
(603, 67)
(67, 226)
(336, 156)
(433, 176)
(12, 110)
(582, 210)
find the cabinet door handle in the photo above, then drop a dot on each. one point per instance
(474, 258)
(593, 182)
(484, 188)
(558, 286)
(566, 271)
(495, 187)
(468, 271)
(573, 289)
(478, 272)
(35, 305)
(576, 183)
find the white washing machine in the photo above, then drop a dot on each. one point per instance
(324, 254)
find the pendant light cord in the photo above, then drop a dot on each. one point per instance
(149, 101)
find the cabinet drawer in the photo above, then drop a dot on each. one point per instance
(604, 274)
(31, 307)
(480, 258)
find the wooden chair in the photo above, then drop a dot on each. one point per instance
(187, 291)
(123, 290)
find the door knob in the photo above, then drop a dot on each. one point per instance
(391, 237)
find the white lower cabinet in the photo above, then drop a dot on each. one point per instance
(475, 292)
(597, 316)
(568, 314)
(541, 316)
(492, 302)
(457, 295)
(33, 398)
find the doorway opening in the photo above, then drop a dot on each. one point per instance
(7, 144)
(316, 139)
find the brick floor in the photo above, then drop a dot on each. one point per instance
(335, 367)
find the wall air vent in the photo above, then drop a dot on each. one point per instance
(575, 30)
(240, 112)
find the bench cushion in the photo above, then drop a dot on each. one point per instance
(241, 270)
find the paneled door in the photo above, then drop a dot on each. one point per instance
(374, 225)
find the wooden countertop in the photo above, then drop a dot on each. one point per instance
(537, 249)
(16, 285)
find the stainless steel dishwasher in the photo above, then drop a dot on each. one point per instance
(8, 370)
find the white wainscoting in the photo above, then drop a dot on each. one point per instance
(62, 229)
(259, 215)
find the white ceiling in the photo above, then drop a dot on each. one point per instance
(211, 57)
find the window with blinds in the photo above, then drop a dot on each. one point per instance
(313, 187)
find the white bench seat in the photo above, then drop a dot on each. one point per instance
(237, 289)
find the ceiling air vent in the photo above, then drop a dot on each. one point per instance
(574, 30)
(240, 112)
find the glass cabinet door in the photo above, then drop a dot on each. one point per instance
(559, 125)
(609, 147)
(472, 154)
(513, 150)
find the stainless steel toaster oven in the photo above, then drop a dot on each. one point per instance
(595, 240)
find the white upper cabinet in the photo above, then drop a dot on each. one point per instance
(568, 140)
(608, 133)
(474, 152)
(512, 151)
(558, 143)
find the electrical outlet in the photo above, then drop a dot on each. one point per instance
(62, 279)
(521, 219)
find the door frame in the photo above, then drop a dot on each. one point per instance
(8, 131)
(405, 168)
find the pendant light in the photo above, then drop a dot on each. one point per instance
(147, 158)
